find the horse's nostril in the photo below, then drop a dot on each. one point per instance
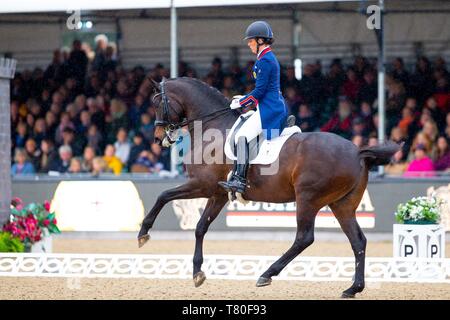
(158, 141)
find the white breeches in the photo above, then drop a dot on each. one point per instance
(251, 128)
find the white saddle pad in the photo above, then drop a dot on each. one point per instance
(269, 149)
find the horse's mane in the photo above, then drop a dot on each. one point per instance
(207, 90)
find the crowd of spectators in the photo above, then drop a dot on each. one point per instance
(89, 114)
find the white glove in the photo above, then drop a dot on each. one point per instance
(235, 104)
(238, 97)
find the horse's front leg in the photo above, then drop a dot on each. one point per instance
(189, 190)
(212, 210)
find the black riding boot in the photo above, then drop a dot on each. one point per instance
(238, 180)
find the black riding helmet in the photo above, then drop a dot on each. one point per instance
(259, 29)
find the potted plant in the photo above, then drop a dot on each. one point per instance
(419, 233)
(32, 224)
(419, 210)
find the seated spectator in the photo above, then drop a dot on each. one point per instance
(111, 160)
(421, 165)
(442, 162)
(146, 162)
(88, 156)
(99, 165)
(422, 139)
(358, 140)
(64, 124)
(341, 123)
(306, 119)
(406, 120)
(122, 146)
(75, 166)
(76, 143)
(21, 135)
(398, 164)
(136, 149)
(62, 163)
(40, 130)
(21, 164)
(33, 153)
(147, 127)
(94, 139)
(352, 85)
(116, 120)
(359, 127)
(48, 155)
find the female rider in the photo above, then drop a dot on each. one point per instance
(271, 111)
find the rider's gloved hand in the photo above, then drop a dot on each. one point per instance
(235, 104)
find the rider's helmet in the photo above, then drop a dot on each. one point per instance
(259, 29)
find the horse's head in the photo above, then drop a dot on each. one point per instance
(169, 112)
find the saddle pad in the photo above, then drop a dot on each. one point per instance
(268, 149)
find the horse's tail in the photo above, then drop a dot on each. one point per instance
(379, 155)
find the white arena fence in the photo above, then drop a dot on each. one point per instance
(230, 267)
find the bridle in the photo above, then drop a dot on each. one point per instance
(169, 126)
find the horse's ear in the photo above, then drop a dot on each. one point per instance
(154, 84)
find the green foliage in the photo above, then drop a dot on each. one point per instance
(8, 243)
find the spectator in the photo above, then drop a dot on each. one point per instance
(77, 143)
(21, 135)
(101, 42)
(147, 127)
(341, 123)
(88, 157)
(77, 64)
(75, 166)
(94, 138)
(421, 165)
(99, 165)
(136, 149)
(122, 146)
(48, 155)
(306, 119)
(33, 153)
(146, 162)
(62, 163)
(111, 160)
(352, 85)
(118, 119)
(442, 162)
(21, 164)
(358, 140)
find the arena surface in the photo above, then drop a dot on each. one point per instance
(62, 288)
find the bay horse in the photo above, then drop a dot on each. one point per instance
(315, 169)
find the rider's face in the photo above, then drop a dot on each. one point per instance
(252, 45)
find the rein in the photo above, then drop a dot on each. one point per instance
(165, 122)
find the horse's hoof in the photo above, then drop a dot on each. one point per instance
(347, 295)
(262, 282)
(143, 240)
(199, 278)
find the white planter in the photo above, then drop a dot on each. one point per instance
(419, 241)
(45, 245)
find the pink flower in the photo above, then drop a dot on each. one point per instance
(47, 205)
(54, 221)
(17, 203)
(46, 222)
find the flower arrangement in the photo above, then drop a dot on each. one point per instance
(418, 210)
(30, 223)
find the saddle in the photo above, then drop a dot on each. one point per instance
(261, 150)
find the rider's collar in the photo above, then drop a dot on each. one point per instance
(263, 52)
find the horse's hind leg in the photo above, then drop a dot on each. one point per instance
(212, 210)
(306, 215)
(345, 212)
(189, 190)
